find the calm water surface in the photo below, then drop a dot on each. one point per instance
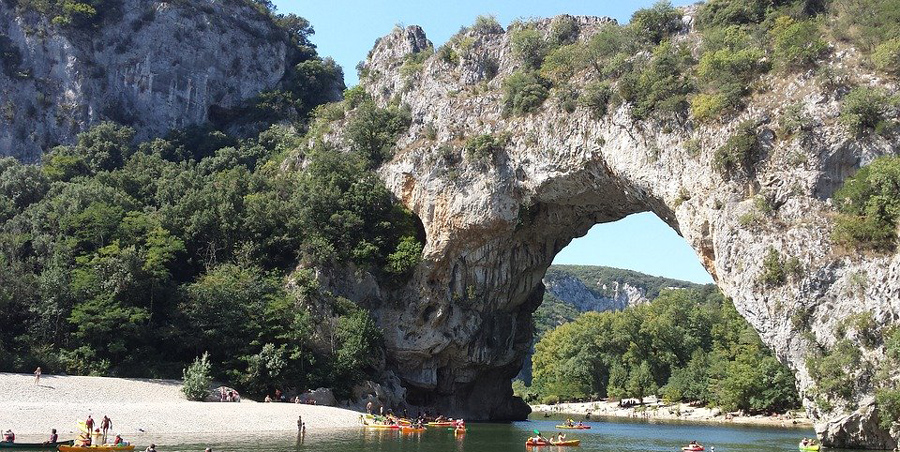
(605, 435)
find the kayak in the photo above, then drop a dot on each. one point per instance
(529, 442)
(574, 427)
(568, 442)
(382, 427)
(409, 429)
(105, 447)
(810, 448)
(441, 424)
(35, 446)
(459, 431)
(696, 448)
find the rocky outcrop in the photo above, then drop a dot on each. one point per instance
(156, 66)
(460, 330)
(572, 290)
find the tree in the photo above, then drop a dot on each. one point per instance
(197, 378)
(641, 383)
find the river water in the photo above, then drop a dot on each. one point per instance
(604, 435)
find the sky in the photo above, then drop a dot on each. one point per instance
(347, 29)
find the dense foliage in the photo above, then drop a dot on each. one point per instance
(869, 206)
(132, 259)
(687, 345)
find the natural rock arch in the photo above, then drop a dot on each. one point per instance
(458, 332)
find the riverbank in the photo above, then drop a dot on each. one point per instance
(140, 407)
(654, 409)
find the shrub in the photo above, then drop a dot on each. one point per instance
(373, 131)
(407, 256)
(414, 62)
(562, 63)
(610, 50)
(197, 378)
(657, 22)
(487, 25)
(564, 30)
(596, 98)
(832, 372)
(529, 46)
(661, 85)
(719, 13)
(483, 147)
(794, 120)
(888, 401)
(448, 55)
(740, 152)
(523, 92)
(887, 57)
(705, 107)
(797, 43)
(866, 23)
(869, 206)
(773, 269)
(864, 110)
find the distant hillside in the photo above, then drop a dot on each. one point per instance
(573, 289)
(576, 289)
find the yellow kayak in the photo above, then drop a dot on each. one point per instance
(104, 447)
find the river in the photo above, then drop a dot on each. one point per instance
(604, 435)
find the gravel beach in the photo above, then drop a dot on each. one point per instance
(144, 408)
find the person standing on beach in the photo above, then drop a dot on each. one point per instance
(89, 423)
(105, 425)
(299, 423)
(37, 376)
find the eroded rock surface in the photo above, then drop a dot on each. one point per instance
(157, 67)
(460, 330)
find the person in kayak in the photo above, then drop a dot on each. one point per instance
(152, 448)
(53, 437)
(9, 436)
(560, 437)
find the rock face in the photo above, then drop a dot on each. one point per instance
(159, 66)
(460, 330)
(572, 290)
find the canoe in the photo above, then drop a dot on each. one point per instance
(107, 447)
(810, 448)
(382, 427)
(34, 446)
(441, 424)
(696, 448)
(574, 427)
(529, 442)
(568, 442)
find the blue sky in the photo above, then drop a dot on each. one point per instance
(347, 29)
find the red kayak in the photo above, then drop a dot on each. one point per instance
(692, 448)
(530, 442)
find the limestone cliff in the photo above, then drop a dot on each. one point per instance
(458, 333)
(155, 66)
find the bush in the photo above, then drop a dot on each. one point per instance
(611, 49)
(720, 13)
(705, 107)
(740, 152)
(562, 63)
(888, 401)
(596, 98)
(484, 147)
(529, 46)
(773, 269)
(657, 22)
(407, 256)
(523, 92)
(833, 371)
(864, 110)
(797, 44)
(487, 25)
(373, 131)
(197, 378)
(661, 85)
(869, 206)
(448, 55)
(887, 57)
(564, 30)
